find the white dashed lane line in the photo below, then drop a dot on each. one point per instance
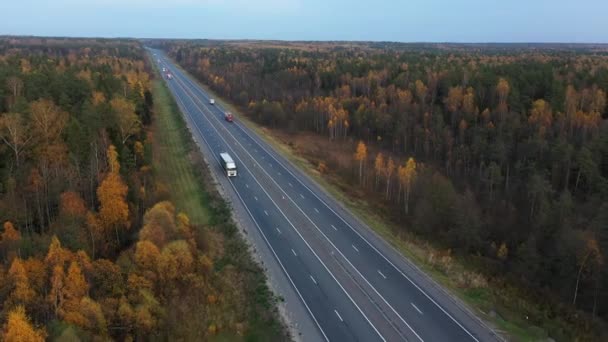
(382, 274)
(415, 307)
(334, 227)
(337, 314)
(294, 252)
(355, 248)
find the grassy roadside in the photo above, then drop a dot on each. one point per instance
(187, 182)
(172, 163)
(502, 308)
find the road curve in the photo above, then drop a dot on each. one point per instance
(354, 286)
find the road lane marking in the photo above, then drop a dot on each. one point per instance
(383, 276)
(280, 174)
(247, 186)
(361, 237)
(313, 279)
(268, 242)
(294, 252)
(265, 212)
(337, 314)
(317, 210)
(409, 262)
(256, 197)
(334, 227)
(415, 307)
(355, 248)
(278, 230)
(192, 98)
(302, 196)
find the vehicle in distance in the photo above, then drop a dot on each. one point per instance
(212, 101)
(228, 116)
(169, 76)
(228, 164)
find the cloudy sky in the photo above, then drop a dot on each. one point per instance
(379, 20)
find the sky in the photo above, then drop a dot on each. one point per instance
(580, 21)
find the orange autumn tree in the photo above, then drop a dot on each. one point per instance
(9, 241)
(74, 290)
(19, 329)
(112, 195)
(361, 156)
(72, 205)
(407, 175)
(22, 291)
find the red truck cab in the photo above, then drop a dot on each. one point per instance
(228, 116)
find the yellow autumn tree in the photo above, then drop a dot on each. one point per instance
(22, 290)
(112, 195)
(454, 100)
(421, 91)
(98, 98)
(147, 256)
(56, 256)
(541, 116)
(407, 175)
(502, 90)
(378, 166)
(74, 290)
(127, 121)
(56, 293)
(468, 101)
(18, 328)
(361, 156)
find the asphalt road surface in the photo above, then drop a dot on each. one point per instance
(353, 285)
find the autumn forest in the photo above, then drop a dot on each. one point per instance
(496, 155)
(93, 246)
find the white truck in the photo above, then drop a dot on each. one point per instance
(228, 164)
(211, 101)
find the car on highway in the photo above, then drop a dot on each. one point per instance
(228, 117)
(211, 101)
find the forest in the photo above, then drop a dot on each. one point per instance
(496, 154)
(93, 246)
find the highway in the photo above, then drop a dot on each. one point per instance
(351, 283)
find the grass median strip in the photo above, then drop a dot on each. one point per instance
(172, 160)
(186, 180)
